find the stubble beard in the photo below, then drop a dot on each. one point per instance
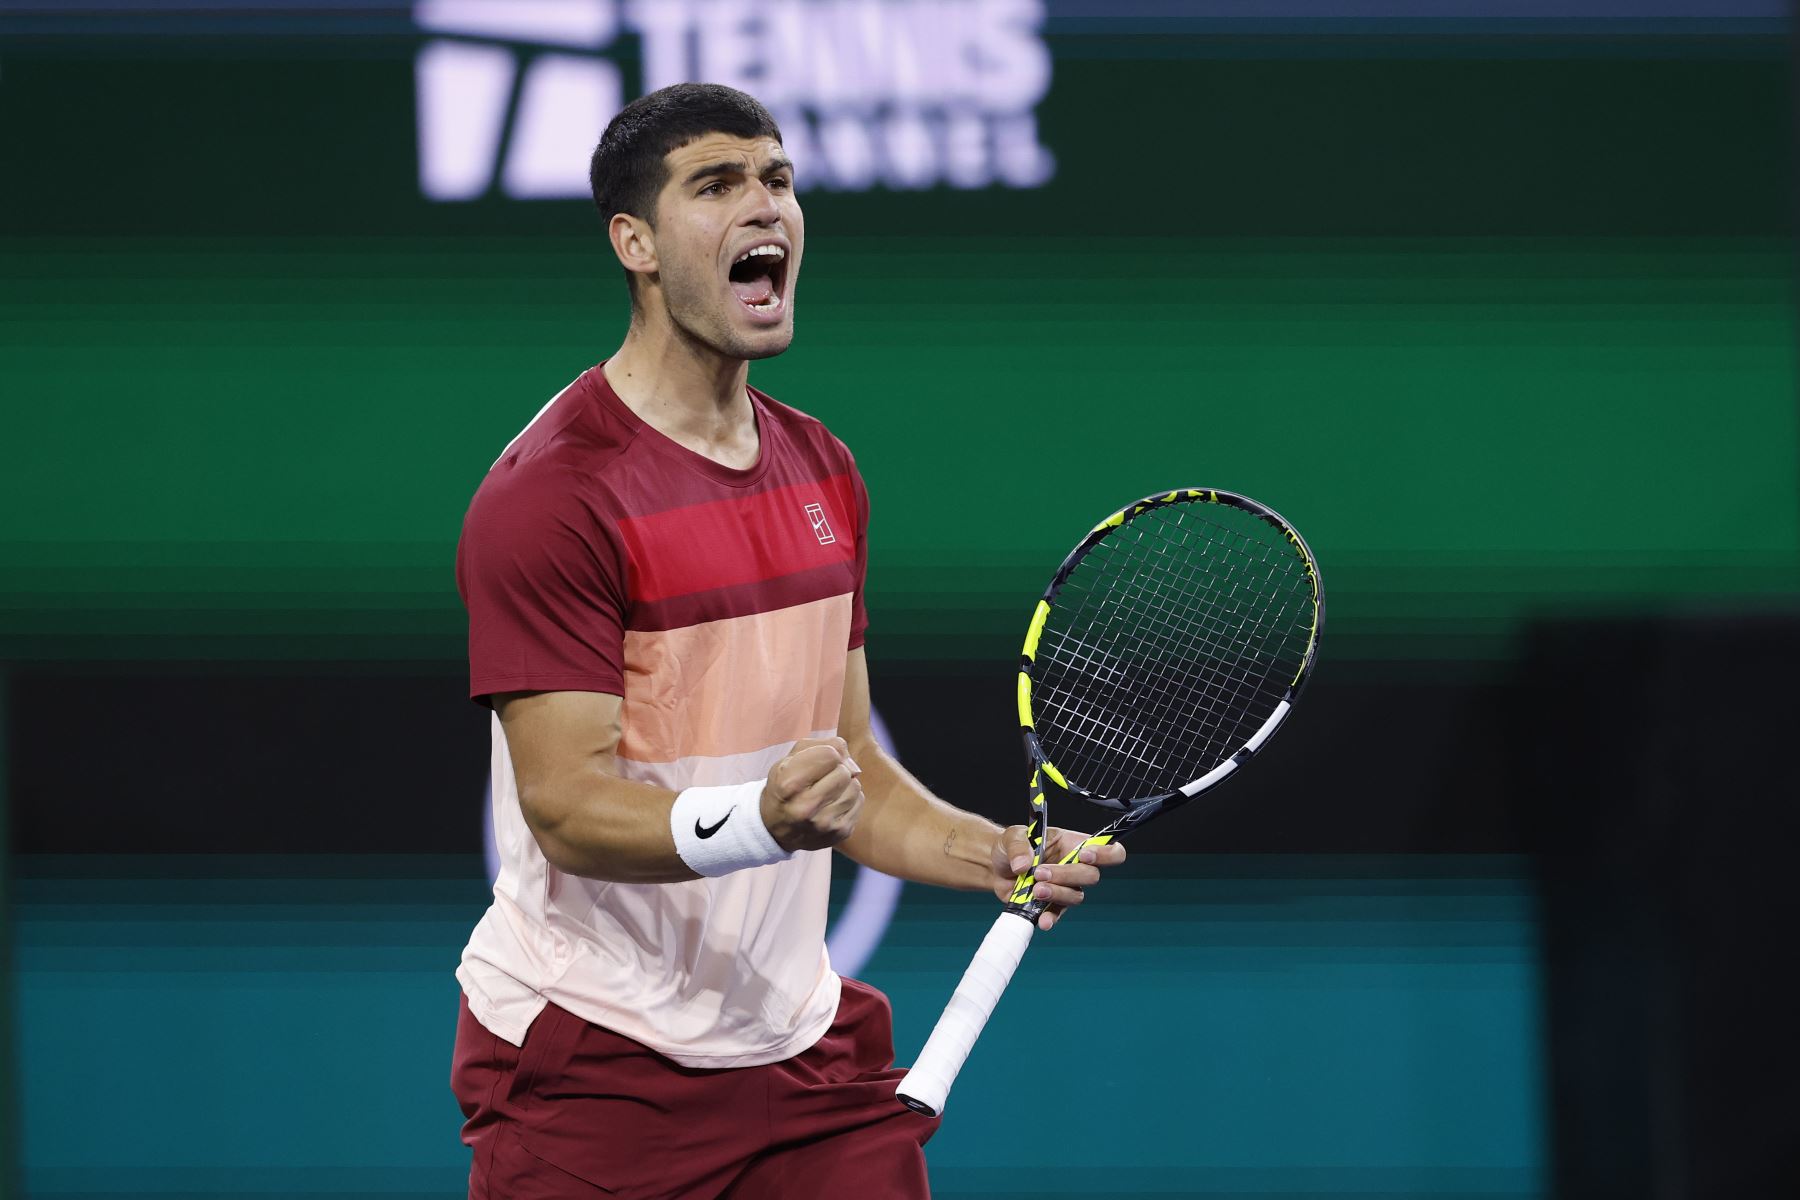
(696, 312)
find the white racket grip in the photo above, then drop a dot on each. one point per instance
(926, 1086)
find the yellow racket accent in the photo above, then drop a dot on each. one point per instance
(1099, 839)
(1021, 893)
(1024, 700)
(1312, 633)
(1036, 629)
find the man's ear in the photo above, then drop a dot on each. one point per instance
(634, 242)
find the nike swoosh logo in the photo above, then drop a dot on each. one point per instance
(706, 831)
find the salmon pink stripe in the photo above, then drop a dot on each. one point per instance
(746, 539)
(700, 770)
(736, 685)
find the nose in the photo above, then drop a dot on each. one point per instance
(759, 206)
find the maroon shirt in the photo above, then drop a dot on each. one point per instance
(592, 523)
(599, 555)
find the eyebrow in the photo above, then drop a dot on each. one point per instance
(737, 166)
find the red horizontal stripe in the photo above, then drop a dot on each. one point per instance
(746, 539)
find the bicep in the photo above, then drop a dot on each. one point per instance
(554, 738)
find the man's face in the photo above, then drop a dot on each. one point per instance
(728, 240)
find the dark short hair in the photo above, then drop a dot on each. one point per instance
(628, 169)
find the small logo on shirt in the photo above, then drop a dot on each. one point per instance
(821, 527)
(706, 831)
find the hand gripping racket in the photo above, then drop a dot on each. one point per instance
(1167, 649)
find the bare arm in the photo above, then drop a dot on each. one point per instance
(904, 830)
(588, 821)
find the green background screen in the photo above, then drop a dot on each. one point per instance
(1501, 328)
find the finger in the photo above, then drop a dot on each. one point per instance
(1016, 847)
(1065, 846)
(843, 806)
(1070, 874)
(835, 820)
(833, 749)
(1057, 895)
(1047, 918)
(829, 788)
(839, 820)
(1109, 855)
(803, 768)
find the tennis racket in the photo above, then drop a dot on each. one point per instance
(1170, 645)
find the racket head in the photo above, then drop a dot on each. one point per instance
(1167, 649)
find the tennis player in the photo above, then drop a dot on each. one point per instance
(664, 578)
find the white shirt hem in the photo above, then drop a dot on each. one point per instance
(801, 1040)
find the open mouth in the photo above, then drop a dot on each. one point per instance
(757, 277)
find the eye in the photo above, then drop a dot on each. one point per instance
(780, 183)
(715, 188)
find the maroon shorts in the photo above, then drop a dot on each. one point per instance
(581, 1111)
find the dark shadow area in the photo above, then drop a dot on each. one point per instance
(1658, 780)
(349, 758)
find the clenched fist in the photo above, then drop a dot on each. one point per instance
(812, 798)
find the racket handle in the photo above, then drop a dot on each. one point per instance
(928, 1083)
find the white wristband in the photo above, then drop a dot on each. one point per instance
(719, 830)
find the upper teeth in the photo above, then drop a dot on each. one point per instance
(768, 251)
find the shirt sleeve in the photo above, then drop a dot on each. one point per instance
(543, 578)
(859, 615)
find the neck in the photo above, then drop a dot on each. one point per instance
(682, 387)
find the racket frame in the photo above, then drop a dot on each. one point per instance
(927, 1084)
(1044, 773)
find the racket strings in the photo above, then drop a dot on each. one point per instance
(1128, 733)
(1168, 646)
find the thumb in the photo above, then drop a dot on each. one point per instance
(1015, 848)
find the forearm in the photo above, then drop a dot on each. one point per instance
(907, 832)
(597, 825)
